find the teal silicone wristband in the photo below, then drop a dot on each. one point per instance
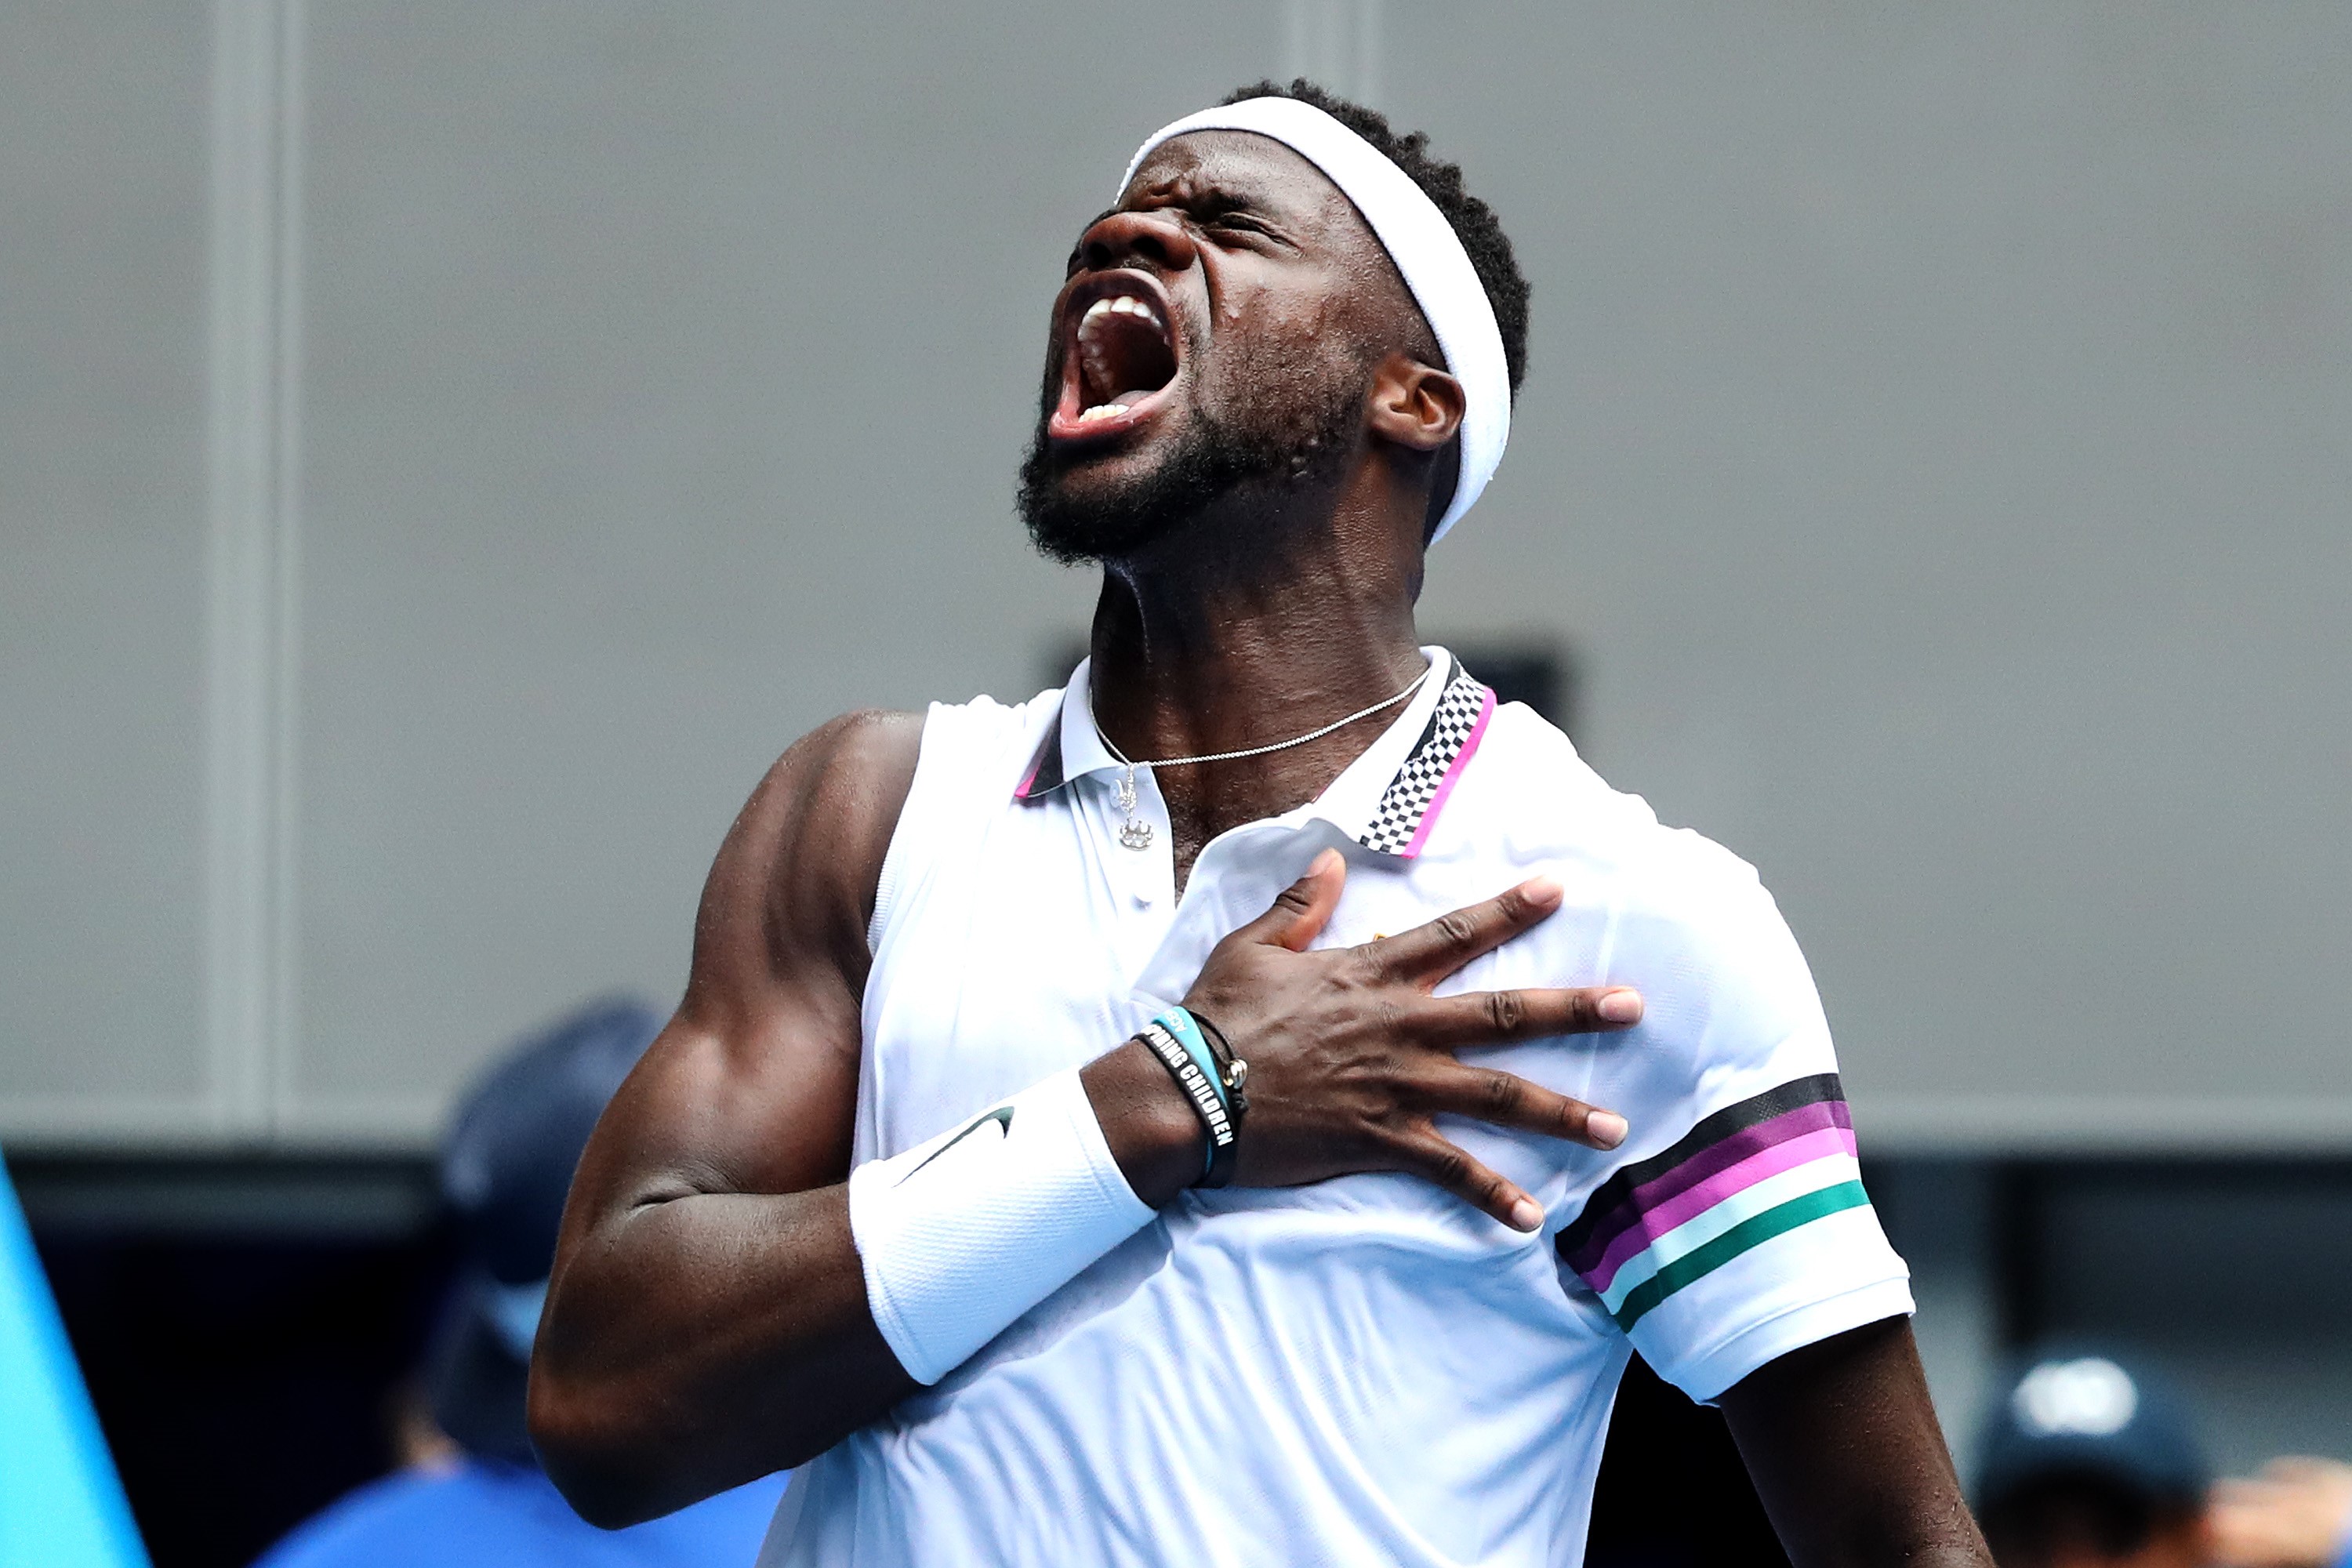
(1178, 1022)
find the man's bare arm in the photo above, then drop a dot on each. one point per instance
(1845, 1452)
(706, 1323)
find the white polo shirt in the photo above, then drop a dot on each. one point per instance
(1365, 1371)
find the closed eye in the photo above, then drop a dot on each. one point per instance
(1242, 226)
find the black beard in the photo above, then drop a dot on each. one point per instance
(1213, 463)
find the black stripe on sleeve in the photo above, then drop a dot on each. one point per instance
(1711, 1130)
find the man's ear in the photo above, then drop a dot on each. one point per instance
(1415, 406)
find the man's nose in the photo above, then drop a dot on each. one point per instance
(1127, 238)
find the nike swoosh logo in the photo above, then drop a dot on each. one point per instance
(1001, 1116)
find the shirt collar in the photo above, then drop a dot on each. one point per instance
(1387, 800)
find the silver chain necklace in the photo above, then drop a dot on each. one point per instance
(1136, 833)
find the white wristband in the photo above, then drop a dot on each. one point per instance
(962, 1234)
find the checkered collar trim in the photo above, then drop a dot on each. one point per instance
(1408, 807)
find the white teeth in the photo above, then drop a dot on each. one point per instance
(1090, 347)
(1124, 305)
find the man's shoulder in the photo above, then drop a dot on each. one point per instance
(983, 726)
(833, 795)
(1553, 809)
(854, 746)
(868, 747)
(858, 766)
(1665, 909)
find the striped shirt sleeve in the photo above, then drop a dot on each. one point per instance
(1738, 1229)
(1749, 1237)
(1746, 1175)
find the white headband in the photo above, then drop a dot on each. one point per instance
(1427, 253)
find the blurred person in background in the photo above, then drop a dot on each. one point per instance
(473, 1491)
(2296, 1514)
(2085, 1461)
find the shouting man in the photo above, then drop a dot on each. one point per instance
(1338, 1256)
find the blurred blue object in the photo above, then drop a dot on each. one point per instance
(61, 1505)
(486, 1513)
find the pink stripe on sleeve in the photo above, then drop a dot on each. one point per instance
(1696, 1200)
(1707, 1162)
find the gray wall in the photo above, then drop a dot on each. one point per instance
(445, 451)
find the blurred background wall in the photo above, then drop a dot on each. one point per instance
(446, 451)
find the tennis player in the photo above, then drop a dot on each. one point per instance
(1245, 1106)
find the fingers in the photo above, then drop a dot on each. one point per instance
(2305, 1469)
(1301, 911)
(1505, 1099)
(1449, 1166)
(1430, 953)
(1502, 1017)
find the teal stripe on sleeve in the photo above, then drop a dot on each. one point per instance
(1749, 1232)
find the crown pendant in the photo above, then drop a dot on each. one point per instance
(1134, 833)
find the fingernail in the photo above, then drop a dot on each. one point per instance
(1622, 1005)
(1324, 862)
(1527, 1216)
(1540, 891)
(1605, 1128)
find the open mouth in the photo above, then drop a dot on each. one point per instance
(1120, 357)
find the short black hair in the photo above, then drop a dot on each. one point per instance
(1474, 221)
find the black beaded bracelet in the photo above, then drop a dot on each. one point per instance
(1230, 1069)
(1206, 1102)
